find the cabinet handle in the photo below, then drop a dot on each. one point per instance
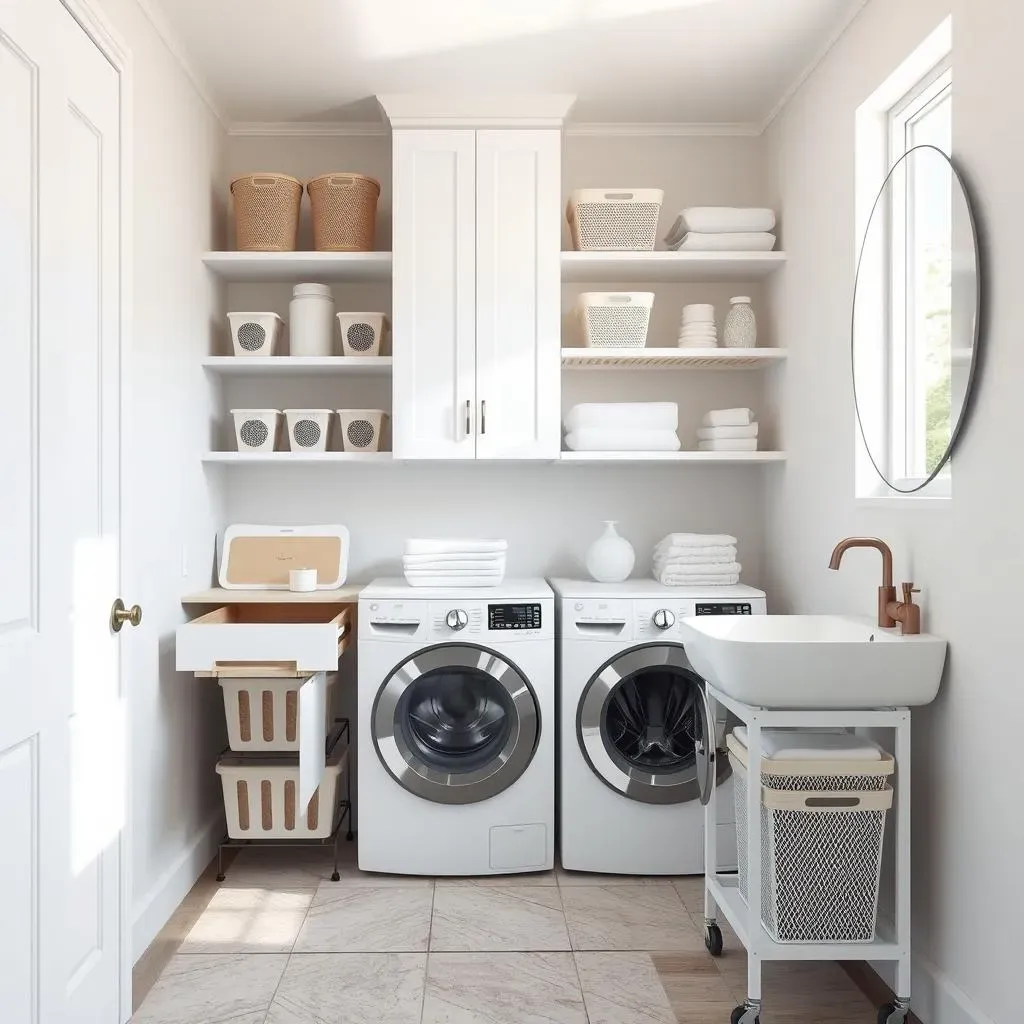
(483, 416)
(467, 418)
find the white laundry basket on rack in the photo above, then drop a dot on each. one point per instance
(822, 830)
(614, 218)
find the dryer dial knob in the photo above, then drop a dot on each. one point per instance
(457, 619)
(663, 619)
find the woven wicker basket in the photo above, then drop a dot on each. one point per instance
(266, 212)
(344, 212)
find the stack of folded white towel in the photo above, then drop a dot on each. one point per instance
(454, 563)
(623, 427)
(728, 430)
(722, 229)
(696, 560)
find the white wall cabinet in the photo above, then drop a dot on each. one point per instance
(476, 306)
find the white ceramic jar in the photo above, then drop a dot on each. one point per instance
(740, 325)
(610, 558)
(311, 320)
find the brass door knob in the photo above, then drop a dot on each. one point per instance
(119, 615)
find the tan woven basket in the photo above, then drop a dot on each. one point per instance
(344, 211)
(266, 212)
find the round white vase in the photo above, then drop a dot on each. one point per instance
(610, 558)
(740, 325)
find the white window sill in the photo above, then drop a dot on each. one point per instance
(918, 502)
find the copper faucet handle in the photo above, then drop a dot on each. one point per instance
(908, 592)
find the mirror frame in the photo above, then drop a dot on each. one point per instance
(972, 374)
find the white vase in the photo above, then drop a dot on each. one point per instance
(610, 558)
(740, 325)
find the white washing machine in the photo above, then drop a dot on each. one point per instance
(456, 742)
(634, 761)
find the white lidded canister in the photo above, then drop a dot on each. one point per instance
(311, 320)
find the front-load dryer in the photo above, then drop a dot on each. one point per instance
(634, 735)
(456, 740)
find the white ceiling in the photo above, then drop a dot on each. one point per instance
(649, 61)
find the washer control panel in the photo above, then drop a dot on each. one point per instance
(723, 608)
(514, 616)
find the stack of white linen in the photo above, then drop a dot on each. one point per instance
(696, 560)
(728, 430)
(722, 229)
(454, 563)
(622, 427)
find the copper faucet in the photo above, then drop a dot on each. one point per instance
(890, 611)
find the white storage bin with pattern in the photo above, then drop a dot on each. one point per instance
(614, 218)
(263, 713)
(255, 334)
(308, 429)
(256, 430)
(261, 796)
(362, 430)
(822, 830)
(614, 319)
(363, 334)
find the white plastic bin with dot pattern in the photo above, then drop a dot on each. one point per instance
(256, 430)
(614, 218)
(308, 429)
(255, 334)
(614, 319)
(362, 430)
(363, 334)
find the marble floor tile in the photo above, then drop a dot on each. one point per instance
(502, 988)
(499, 881)
(356, 988)
(623, 988)
(628, 917)
(213, 990)
(696, 991)
(691, 892)
(249, 921)
(359, 919)
(480, 918)
(571, 878)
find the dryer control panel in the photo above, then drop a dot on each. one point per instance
(458, 619)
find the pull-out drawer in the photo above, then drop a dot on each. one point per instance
(264, 640)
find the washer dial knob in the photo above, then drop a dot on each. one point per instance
(457, 619)
(663, 619)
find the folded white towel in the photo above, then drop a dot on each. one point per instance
(720, 219)
(633, 415)
(718, 433)
(729, 444)
(444, 582)
(705, 569)
(696, 540)
(725, 553)
(617, 439)
(426, 573)
(738, 241)
(461, 558)
(461, 547)
(671, 579)
(813, 745)
(728, 418)
(455, 565)
(681, 561)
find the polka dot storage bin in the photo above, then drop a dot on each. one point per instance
(362, 430)
(363, 334)
(614, 319)
(256, 430)
(308, 429)
(614, 218)
(255, 334)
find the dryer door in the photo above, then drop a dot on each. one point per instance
(456, 723)
(643, 726)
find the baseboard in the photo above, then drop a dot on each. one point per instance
(154, 910)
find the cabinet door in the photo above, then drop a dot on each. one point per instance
(433, 311)
(518, 294)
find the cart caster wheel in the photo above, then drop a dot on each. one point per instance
(336, 877)
(892, 1014)
(745, 1015)
(713, 939)
(220, 878)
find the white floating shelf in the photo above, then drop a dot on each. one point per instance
(290, 366)
(670, 358)
(700, 458)
(300, 266)
(619, 267)
(294, 458)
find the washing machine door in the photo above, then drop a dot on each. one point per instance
(644, 726)
(456, 723)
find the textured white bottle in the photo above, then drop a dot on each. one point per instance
(311, 321)
(740, 324)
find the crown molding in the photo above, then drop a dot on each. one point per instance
(308, 129)
(480, 110)
(652, 129)
(157, 17)
(849, 16)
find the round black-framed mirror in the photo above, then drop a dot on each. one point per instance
(916, 320)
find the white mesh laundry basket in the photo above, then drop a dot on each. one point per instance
(261, 796)
(256, 430)
(263, 714)
(614, 218)
(363, 334)
(362, 430)
(308, 429)
(254, 334)
(614, 319)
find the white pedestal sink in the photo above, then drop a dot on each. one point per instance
(813, 661)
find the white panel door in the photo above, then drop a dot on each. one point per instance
(433, 308)
(61, 732)
(518, 294)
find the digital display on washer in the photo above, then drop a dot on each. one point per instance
(513, 616)
(723, 609)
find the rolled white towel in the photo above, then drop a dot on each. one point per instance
(696, 540)
(729, 241)
(619, 415)
(720, 219)
(729, 444)
(612, 439)
(728, 418)
(721, 433)
(460, 547)
(674, 579)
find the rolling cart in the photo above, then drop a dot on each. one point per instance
(722, 891)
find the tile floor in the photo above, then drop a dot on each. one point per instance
(279, 943)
